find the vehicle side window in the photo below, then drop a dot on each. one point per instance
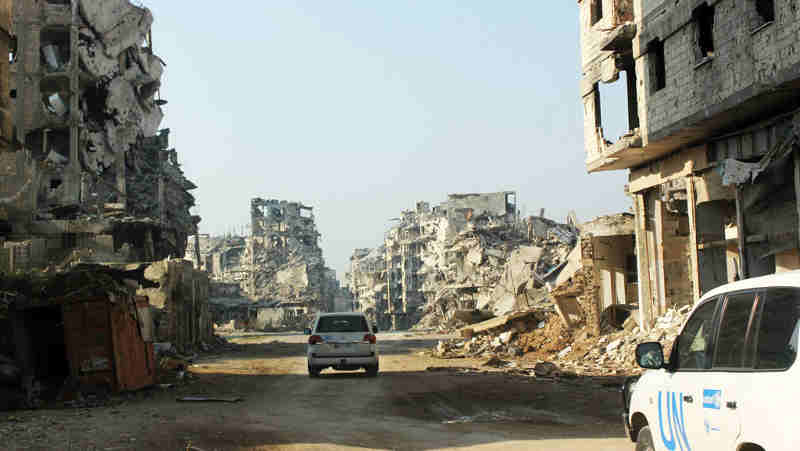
(778, 331)
(692, 344)
(730, 350)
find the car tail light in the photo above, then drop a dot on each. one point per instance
(314, 339)
(370, 338)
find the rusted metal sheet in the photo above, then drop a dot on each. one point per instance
(105, 345)
(133, 357)
(87, 337)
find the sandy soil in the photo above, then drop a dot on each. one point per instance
(417, 402)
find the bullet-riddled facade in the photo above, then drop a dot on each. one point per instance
(713, 96)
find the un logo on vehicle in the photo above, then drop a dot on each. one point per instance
(670, 419)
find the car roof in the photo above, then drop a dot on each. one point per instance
(341, 314)
(784, 279)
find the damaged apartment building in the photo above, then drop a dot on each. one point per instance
(470, 256)
(94, 206)
(276, 277)
(90, 176)
(713, 111)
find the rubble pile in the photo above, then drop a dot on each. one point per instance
(494, 268)
(525, 341)
(460, 262)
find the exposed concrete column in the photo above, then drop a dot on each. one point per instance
(742, 234)
(694, 266)
(643, 264)
(659, 258)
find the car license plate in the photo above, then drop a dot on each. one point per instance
(341, 346)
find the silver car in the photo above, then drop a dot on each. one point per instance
(342, 341)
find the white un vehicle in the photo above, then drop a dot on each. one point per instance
(342, 341)
(731, 382)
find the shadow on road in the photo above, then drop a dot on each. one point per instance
(396, 410)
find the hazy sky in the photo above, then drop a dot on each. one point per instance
(362, 108)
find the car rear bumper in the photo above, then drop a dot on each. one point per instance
(343, 360)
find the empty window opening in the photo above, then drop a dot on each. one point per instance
(616, 111)
(56, 96)
(597, 11)
(511, 203)
(55, 49)
(658, 69)
(703, 16)
(50, 145)
(96, 97)
(766, 11)
(12, 50)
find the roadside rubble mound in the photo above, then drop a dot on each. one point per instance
(527, 341)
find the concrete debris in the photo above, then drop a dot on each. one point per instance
(273, 279)
(556, 350)
(472, 253)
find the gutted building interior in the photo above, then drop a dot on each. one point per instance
(712, 157)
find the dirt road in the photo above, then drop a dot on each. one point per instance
(417, 402)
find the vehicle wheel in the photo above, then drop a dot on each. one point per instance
(372, 371)
(313, 371)
(644, 442)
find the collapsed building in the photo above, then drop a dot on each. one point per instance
(472, 256)
(276, 277)
(713, 109)
(90, 176)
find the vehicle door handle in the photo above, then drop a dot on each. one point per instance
(731, 404)
(688, 398)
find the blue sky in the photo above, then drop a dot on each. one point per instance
(362, 108)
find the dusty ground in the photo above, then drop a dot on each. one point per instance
(406, 407)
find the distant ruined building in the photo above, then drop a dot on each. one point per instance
(470, 253)
(274, 278)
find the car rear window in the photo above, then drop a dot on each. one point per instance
(353, 323)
